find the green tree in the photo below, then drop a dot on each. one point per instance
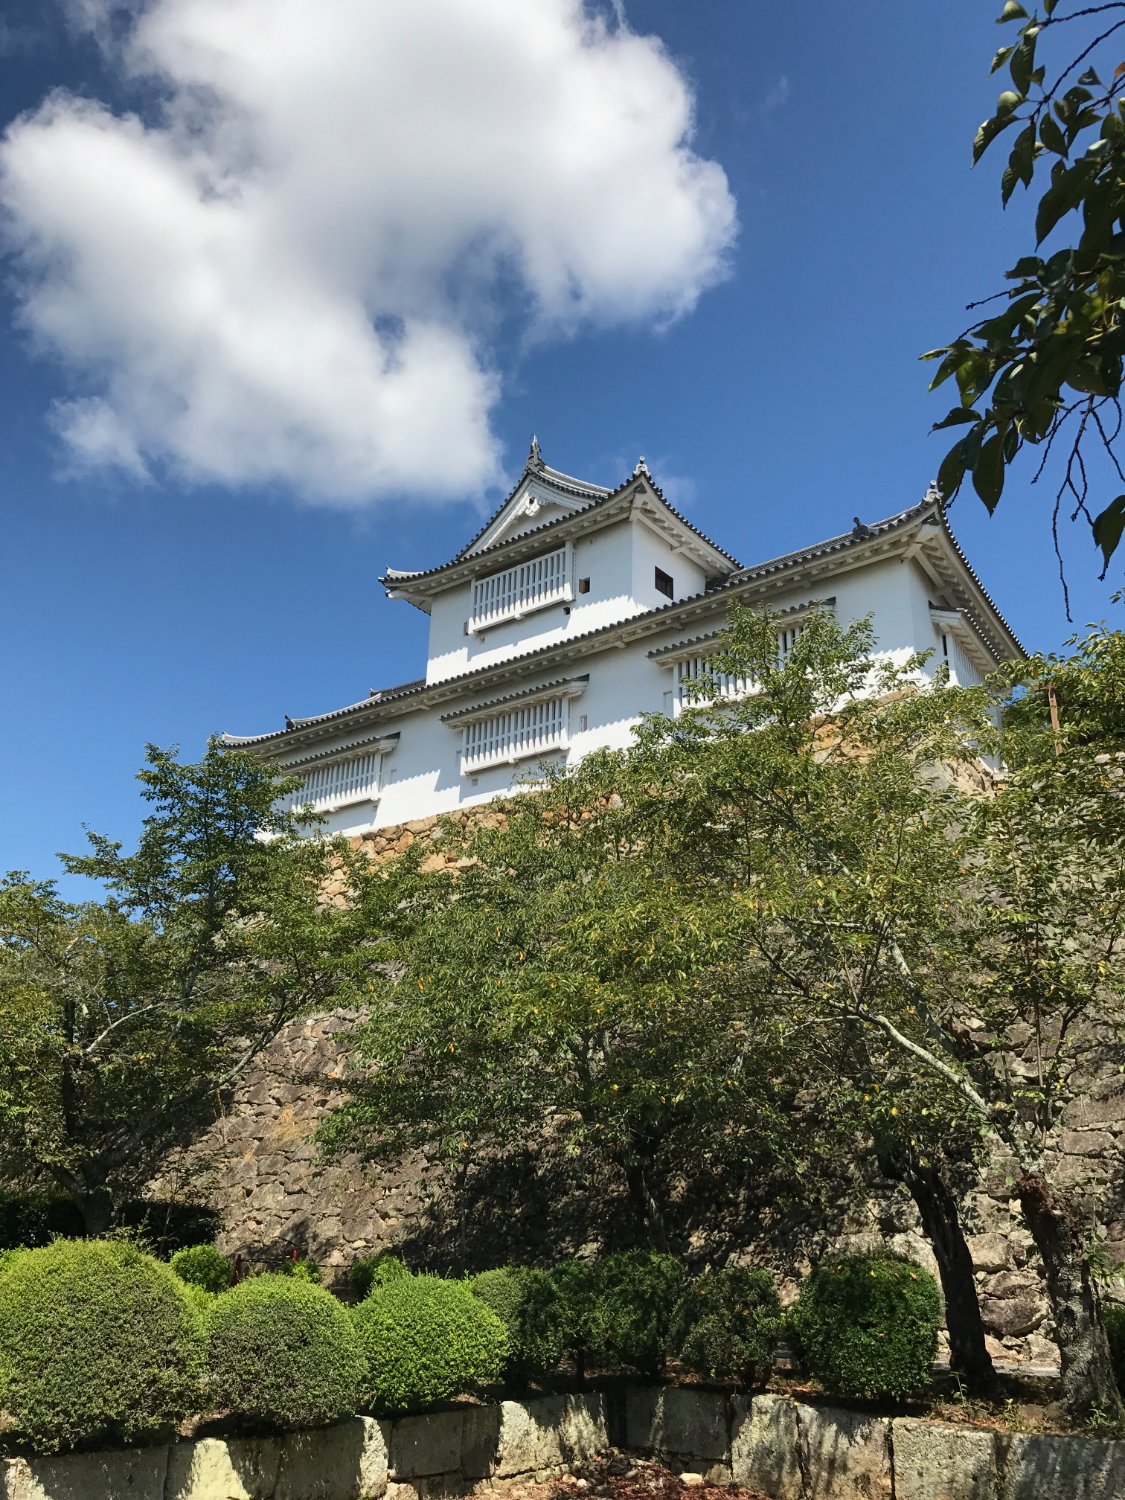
(557, 985)
(971, 934)
(1044, 368)
(122, 1020)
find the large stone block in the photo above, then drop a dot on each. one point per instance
(480, 1442)
(687, 1423)
(1043, 1465)
(348, 1461)
(530, 1436)
(128, 1474)
(845, 1455)
(764, 1452)
(585, 1428)
(548, 1433)
(211, 1469)
(990, 1252)
(429, 1444)
(938, 1461)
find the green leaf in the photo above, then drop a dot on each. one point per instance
(1027, 266)
(1023, 61)
(952, 471)
(1001, 57)
(1061, 197)
(987, 133)
(1051, 136)
(958, 417)
(1008, 101)
(1012, 11)
(988, 472)
(1109, 526)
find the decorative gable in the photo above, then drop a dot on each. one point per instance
(541, 495)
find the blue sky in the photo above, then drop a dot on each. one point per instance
(158, 588)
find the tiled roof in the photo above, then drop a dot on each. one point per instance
(597, 496)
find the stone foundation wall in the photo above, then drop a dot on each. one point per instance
(786, 1449)
(257, 1166)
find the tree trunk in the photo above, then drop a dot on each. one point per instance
(649, 1213)
(941, 1224)
(96, 1207)
(1056, 1225)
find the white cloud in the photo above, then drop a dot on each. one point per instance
(294, 274)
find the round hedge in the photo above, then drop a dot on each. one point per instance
(728, 1325)
(527, 1303)
(425, 1340)
(867, 1325)
(202, 1265)
(282, 1353)
(370, 1271)
(99, 1344)
(638, 1293)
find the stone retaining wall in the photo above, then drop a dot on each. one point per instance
(257, 1166)
(787, 1449)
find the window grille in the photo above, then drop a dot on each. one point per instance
(529, 585)
(517, 733)
(340, 782)
(715, 686)
(961, 666)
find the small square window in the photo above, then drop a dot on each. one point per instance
(583, 585)
(664, 584)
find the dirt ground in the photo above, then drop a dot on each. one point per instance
(621, 1476)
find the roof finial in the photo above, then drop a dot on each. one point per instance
(534, 457)
(933, 494)
(642, 467)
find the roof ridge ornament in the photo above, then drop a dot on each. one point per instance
(641, 467)
(534, 457)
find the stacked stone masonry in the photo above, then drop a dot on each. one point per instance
(259, 1168)
(782, 1448)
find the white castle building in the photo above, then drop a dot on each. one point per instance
(577, 609)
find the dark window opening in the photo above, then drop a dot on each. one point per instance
(664, 584)
(583, 585)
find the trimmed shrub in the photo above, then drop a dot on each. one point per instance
(1113, 1315)
(99, 1343)
(577, 1286)
(305, 1269)
(202, 1265)
(637, 1297)
(6, 1257)
(426, 1340)
(282, 1354)
(867, 1325)
(375, 1270)
(202, 1301)
(527, 1303)
(728, 1324)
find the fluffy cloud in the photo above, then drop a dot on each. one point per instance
(295, 268)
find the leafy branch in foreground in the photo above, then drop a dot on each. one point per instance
(1045, 369)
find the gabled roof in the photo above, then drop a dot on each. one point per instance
(921, 531)
(503, 538)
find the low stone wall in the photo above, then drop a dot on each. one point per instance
(787, 1449)
(791, 1450)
